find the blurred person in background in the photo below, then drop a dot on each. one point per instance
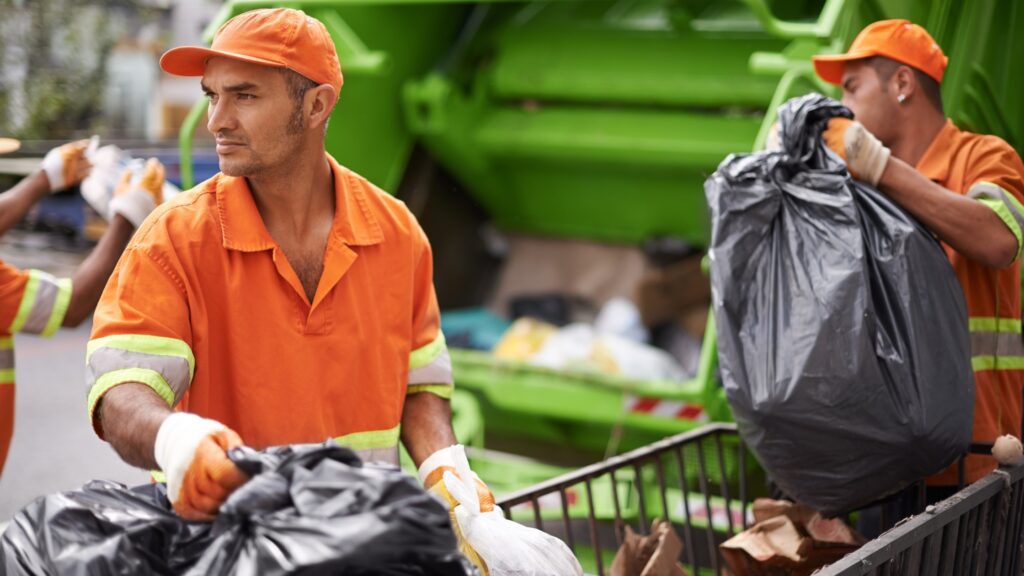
(34, 302)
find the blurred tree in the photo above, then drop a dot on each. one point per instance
(52, 67)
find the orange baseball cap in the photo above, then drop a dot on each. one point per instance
(900, 40)
(278, 37)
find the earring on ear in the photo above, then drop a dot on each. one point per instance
(901, 98)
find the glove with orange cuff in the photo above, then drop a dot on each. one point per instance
(135, 200)
(66, 165)
(431, 473)
(192, 452)
(865, 156)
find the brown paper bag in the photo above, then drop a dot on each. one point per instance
(787, 540)
(654, 555)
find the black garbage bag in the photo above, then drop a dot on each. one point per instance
(842, 329)
(310, 509)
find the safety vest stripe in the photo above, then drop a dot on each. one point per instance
(145, 344)
(6, 376)
(996, 344)
(1005, 205)
(7, 343)
(991, 324)
(371, 439)
(27, 300)
(439, 371)
(442, 390)
(427, 354)
(173, 370)
(150, 378)
(60, 307)
(6, 358)
(981, 363)
(43, 305)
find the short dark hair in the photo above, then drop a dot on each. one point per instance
(297, 85)
(886, 67)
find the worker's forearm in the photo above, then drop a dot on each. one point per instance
(968, 226)
(426, 425)
(17, 201)
(91, 276)
(131, 415)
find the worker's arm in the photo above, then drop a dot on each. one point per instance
(131, 415)
(91, 276)
(17, 201)
(63, 167)
(426, 425)
(968, 226)
(130, 206)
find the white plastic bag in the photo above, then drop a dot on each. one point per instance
(508, 548)
(108, 162)
(581, 347)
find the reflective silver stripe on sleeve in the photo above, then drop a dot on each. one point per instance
(990, 190)
(996, 344)
(174, 369)
(385, 455)
(42, 304)
(438, 371)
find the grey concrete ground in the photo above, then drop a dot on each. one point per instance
(54, 447)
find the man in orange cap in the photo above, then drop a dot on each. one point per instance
(966, 188)
(285, 300)
(34, 302)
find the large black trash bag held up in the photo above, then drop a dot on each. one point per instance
(842, 329)
(312, 509)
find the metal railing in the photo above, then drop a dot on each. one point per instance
(975, 531)
(632, 489)
(698, 480)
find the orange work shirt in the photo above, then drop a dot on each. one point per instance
(205, 309)
(987, 169)
(32, 302)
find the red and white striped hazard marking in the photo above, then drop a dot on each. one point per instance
(666, 408)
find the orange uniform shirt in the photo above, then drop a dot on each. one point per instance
(987, 169)
(33, 302)
(206, 310)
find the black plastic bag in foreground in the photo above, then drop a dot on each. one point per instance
(311, 509)
(842, 329)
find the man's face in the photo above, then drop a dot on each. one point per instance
(868, 97)
(251, 116)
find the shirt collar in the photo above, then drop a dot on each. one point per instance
(242, 227)
(939, 155)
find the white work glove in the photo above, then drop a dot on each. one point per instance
(865, 156)
(66, 165)
(431, 474)
(192, 452)
(136, 199)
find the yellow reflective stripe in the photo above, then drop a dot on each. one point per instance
(158, 476)
(999, 207)
(427, 354)
(442, 390)
(156, 345)
(370, 440)
(7, 376)
(991, 324)
(979, 363)
(7, 343)
(60, 307)
(150, 378)
(25, 307)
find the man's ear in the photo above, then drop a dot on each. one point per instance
(904, 82)
(319, 104)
